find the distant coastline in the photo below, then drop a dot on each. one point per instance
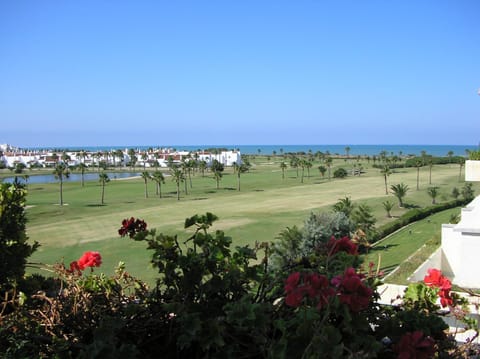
(355, 150)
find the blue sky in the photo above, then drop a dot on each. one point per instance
(85, 73)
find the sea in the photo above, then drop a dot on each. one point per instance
(353, 150)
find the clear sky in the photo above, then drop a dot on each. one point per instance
(113, 72)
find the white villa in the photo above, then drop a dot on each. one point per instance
(458, 255)
(11, 156)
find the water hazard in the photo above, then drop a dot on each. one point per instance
(74, 177)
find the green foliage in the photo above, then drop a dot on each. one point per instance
(412, 216)
(344, 205)
(400, 191)
(14, 249)
(474, 155)
(340, 173)
(467, 192)
(319, 228)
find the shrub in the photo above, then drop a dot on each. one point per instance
(340, 173)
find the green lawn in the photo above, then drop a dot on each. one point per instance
(265, 205)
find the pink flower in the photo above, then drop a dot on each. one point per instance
(352, 290)
(415, 346)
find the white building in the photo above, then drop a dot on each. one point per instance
(458, 255)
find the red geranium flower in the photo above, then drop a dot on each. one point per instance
(131, 227)
(313, 285)
(435, 278)
(343, 244)
(89, 259)
(415, 346)
(352, 291)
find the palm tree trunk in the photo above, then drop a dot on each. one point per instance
(103, 192)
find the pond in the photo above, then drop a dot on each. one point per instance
(74, 177)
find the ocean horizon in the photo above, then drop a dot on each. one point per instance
(355, 150)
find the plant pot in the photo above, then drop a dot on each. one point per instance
(472, 170)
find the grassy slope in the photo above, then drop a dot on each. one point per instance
(265, 205)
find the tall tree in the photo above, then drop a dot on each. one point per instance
(241, 169)
(385, 171)
(283, 166)
(450, 156)
(217, 169)
(177, 176)
(461, 162)
(146, 177)
(328, 163)
(400, 191)
(433, 193)
(103, 179)
(61, 172)
(430, 166)
(202, 166)
(322, 170)
(82, 167)
(159, 179)
(418, 164)
(347, 151)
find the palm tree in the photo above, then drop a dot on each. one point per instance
(344, 205)
(430, 166)
(177, 176)
(385, 171)
(450, 155)
(283, 166)
(388, 206)
(202, 166)
(399, 190)
(241, 169)
(347, 151)
(120, 155)
(61, 172)
(461, 162)
(103, 179)
(322, 170)
(144, 159)
(217, 169)
(328, 163)
(294, 163)
(146, 177)
(159, 179)
(83, 167)
(418, 164)
(433, 193)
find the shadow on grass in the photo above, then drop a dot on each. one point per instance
(230, 189)
(259, 190)
(199, 198)
(381, 247)
(95, 205)
(410, 206)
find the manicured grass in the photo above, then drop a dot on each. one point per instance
(407, 243)
(265, 205)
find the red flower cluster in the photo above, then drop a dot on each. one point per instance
(352, 291)
(314, 285)
(435, 278)
(349, 287)
(415, 346)
(88, 259)
(343, 244)
(131, 227)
